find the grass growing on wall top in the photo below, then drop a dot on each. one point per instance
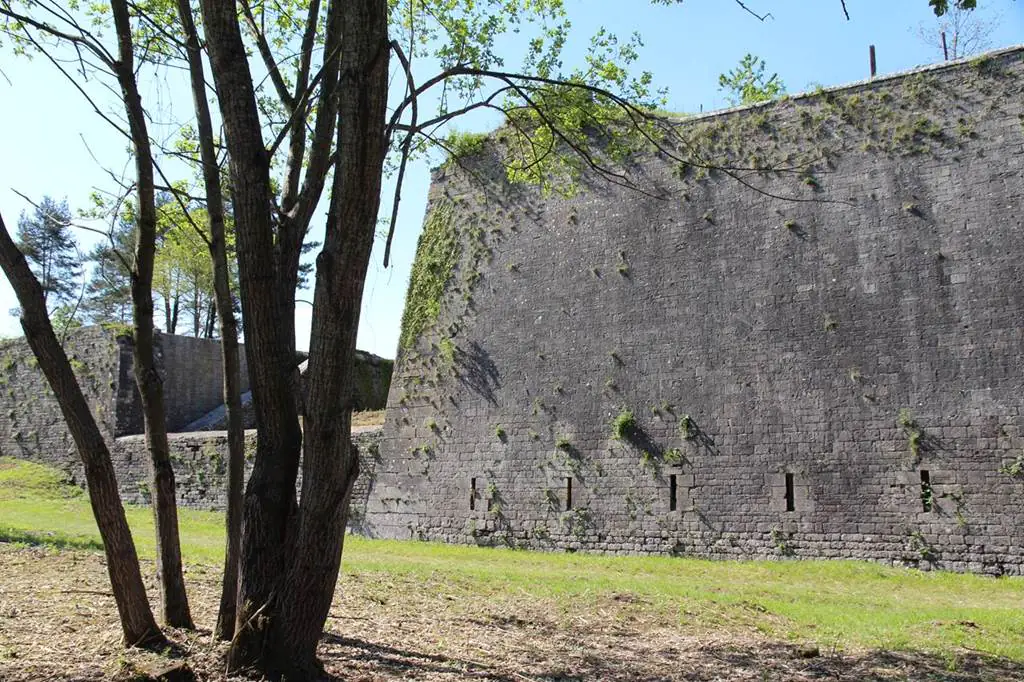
(437, 254)
(464, 144)
(846, 604)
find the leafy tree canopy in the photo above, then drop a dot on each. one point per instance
(940, 7)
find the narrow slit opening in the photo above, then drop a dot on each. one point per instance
(926, 490)
(672, 492)
(568, 493)
(790, 499)
(472, 494)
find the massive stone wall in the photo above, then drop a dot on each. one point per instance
(193, 374)
(821, 360)
(31, 426)
(194, 377)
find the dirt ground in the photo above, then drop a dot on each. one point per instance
(57, 622)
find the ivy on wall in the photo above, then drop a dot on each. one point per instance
(437, 254)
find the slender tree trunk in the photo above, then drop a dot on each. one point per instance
(270, 494)
(228, 327)
(165, 509)
(211, 314)
(172, 328)
(330, 462)
(137, 621)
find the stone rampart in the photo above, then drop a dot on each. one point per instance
(31, 424)
(814, 351)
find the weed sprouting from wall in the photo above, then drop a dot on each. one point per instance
(687, 428)
(462, 145)
(1014, 468)
(914, 433)
(623, 425)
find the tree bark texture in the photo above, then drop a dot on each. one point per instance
(225, 628)
(291, 558)
(270, 494)
(165, 510)
(300, 193)
(330, 463)
(137, 622)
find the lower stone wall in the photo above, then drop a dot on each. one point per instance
(200, 467)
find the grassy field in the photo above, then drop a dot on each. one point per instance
(836, 605)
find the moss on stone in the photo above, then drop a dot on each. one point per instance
(437, 254)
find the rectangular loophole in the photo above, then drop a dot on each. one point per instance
(568, 493)
(672, 492)
(926, 490)
(472, 494)
(790, 499)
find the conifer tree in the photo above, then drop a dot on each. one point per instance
(45, 237)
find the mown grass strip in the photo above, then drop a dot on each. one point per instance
(836, 603)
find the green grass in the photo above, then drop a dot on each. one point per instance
(38, 506)
(841, 603)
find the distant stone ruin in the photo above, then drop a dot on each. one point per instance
(31, 425)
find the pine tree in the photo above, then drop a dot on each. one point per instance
(108, 298)
(51, 250)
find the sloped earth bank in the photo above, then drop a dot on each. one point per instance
(57, 622)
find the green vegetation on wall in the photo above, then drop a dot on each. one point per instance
(437, 254)
(461, 145)
(909, 117)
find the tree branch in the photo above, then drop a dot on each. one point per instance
(88, 43)
(268, 57)
(410, 84)
(759, 17)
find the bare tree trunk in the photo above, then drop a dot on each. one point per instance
(172, 323)
(228, 327)
(271, 574)
(330, 462)
(197, 307)
(167, 315)
(211, 310)
(270, 494)
(165, 509)
(137, 621)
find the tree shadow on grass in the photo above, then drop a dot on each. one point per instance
(54, 539)
(784, 661)
(344, 653)
(346, 657)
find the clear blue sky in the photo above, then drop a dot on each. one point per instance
(54, 144)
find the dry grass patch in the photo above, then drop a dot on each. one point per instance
(425, 611)
(58, 622)
(367, 418)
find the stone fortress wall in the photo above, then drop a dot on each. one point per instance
(32, 427)
(823, 360)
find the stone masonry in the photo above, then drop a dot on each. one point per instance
(817, 352)
(32, 427)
